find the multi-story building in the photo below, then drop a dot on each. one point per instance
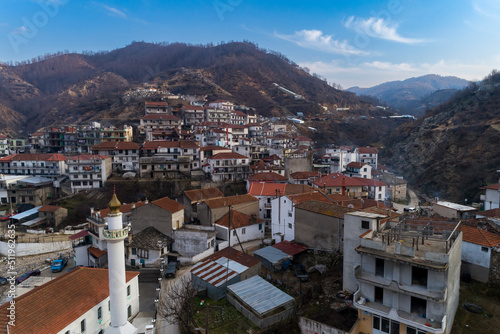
(217, 115)
(41, 164)
(238, 117)
(405, 278)
(125, 155)
(367, 155)
(88, 136)
(359, 169)
(193, 115)
(228, 166)
(222, 104)
(156, 107)
(88, 171)
(35, 142)
(114, 133)
(17, 145)
(4, 145)
(160, 159)
(354, 187)
(153, 122)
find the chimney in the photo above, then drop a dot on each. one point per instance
(146, 201)
(133, 206)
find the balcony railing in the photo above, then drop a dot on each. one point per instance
(115, 234)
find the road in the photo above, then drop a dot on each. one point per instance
(413, 202)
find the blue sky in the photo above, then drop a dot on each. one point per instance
(351, 43)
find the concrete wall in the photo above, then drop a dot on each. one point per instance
(308, 326)
(189, 243)
(186, 260)
(24, 249)
(293, 165)
(282, 215)
(473, 253)
(213, 292)
(318, 231)
(495, 268)
(453, 284)
(208, 216)
(252, 232)
(151, 215)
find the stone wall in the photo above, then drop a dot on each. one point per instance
(495, 267)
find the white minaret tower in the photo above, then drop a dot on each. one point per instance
(115, 236)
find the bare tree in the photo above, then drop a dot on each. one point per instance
(177, 304)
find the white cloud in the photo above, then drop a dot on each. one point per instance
(316, 40)
(21, 30)
(112, 10)
(369, 74)
(379, 28)
(487, 8)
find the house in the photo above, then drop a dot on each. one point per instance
(303, 141)
(213, 114)
(238, 117)
(39, 164)
(367, 155)
(158, 122)
(125, 155)
(53, 214)
(212, 209)
(211, 150)
(228, 166)
(251, 297)
(452, 210)
(152, 107)
(193, 243)
(222, 104)
(112, 133)
(278, 256)
(359, 169)
(76, 302)
(34, 190)
(396, 186)
(4, 145)
(147, 248)
(192, 198)
(320, 225)
(478, 248)
(398, 281)
(304, 177)
(164, 214)
(491, 197)
(6, 182)
(273, 166)
(223, 268)
(354, 187)
(270, 177)
(88, 171)
(236, 227)
(266, 192)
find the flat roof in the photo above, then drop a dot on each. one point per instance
(260, 295)
(33, 222)
(455, 206)
(271, 254)
(366, 214)
(26, 213)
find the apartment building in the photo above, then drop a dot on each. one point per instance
(405, 277)
(228, 166)
(124, 155)
(41, 164)
(88, 171)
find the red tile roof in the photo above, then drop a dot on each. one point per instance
(193, 108)
(355, 164)
(214, 148)
(327, 209)
(153, 145)
(203, 194)
(79, 235)
(238, 220)
(495, 186)
(494, 213)
(231, 200)
(302, 138)
(267, 176)
(276, 189)
(49, 208)
(168, 204)
(290, 248)
(235, 255)
(96, 252)
(304, 175)
(116, 145)
(54, 305)
(340, 180)
(164, 104)
(367, 150)
(226, 156)
(88, 157)
(124, 208)
(480, 237)
(34, 157)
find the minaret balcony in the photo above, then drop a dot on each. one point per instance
(115, 234)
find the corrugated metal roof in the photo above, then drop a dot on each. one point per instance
(271, 254)
(260, 295)
(455, 206)
(213, 273)
(26, 213)
(233, 265)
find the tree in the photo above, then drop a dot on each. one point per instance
(177, 304)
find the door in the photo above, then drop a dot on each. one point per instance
(132, 262)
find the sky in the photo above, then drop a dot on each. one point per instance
(350, 43)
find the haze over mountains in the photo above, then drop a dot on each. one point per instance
(414, 96)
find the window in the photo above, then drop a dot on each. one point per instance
(289, 213)
(234, 233)
(82, 326)
(243, 230)
(412, 330)
(379, 267)
(290, 226)
(128, 290)
(109, 305)
(419, 306)
(260, 226)
(418, 276)
(99, 313)
(365, 224)
(134, 251)
(144, 167)
(484, 249)
(379, 295)
(129, 311)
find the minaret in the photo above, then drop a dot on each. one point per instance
(115, 236)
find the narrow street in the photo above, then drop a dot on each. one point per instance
(412, 204)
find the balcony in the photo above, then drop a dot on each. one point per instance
(267, 205)
(115, 234)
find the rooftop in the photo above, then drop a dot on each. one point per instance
(480, 237)
(53, 306)
(203, 194)
(267, 176)
(168, 204)
(238, 220)
(231, 200)
(150, 238)
(278, 189)
(455, 206)
(323, 208)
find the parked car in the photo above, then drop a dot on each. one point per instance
(171, 269)
(58, 265)
(410, 209)
(301, 272)
(27, 275)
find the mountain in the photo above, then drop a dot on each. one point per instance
(452, 150)
(411, 96)
(70, 87)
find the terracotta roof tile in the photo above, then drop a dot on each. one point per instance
(116, 145)
(163, 104)
(49, 208)
(153, 145)
(290, 248)
(480, 237)
(214, 148)
(168, 204)
(267, 176)
(36, 157)
(124, 208)
(327, 209)
(304, 175)
(53, 306)
(226, 156)
(231, 200)
(162, 117)
(235, 255)
(275, 189)
(96, 252)
(495, 186)
(367, 150)
(203, 194)
(238, 220)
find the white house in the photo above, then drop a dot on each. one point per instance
(88, 171)
(492, 196)
(228, 166)
(78, 302)
(367, 155)
(243, 227)
(147, 248)
(477, 248)
(359, 169)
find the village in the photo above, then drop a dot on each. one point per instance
(268, 232)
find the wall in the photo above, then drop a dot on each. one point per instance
(190, 242)
(318, 231)
(24, 249)
(308, 326)
(455, 254)
(494, 276)
(186, 260)
(293, 165)
(151, 215)
(280, 220)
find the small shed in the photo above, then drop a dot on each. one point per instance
(272, 258)
(215, 276)
(260, 301)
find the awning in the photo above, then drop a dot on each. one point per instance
(79, 235)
